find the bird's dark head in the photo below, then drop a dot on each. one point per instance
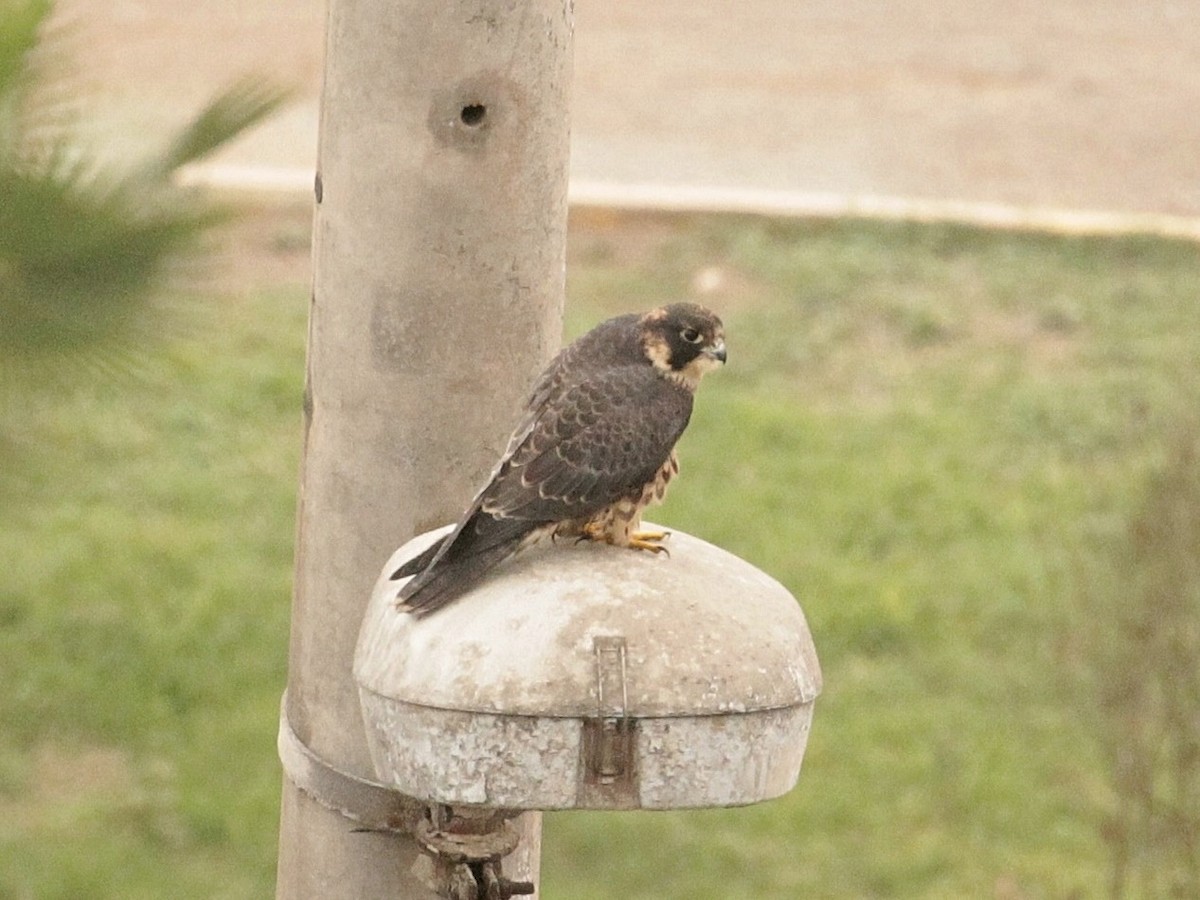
(683, 341)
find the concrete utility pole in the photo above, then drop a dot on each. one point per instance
(439, 256)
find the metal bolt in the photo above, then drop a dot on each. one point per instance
(494, 886)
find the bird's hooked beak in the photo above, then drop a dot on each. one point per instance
(716, 351)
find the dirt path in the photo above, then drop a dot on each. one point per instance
(1077, 103)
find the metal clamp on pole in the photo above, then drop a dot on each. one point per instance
(371, 805)
(466, 847)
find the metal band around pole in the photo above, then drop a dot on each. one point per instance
(370, 804)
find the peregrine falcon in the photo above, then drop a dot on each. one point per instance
(594, 447)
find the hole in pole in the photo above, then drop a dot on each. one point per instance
(473, 114)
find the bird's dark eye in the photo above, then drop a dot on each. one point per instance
(691, 335)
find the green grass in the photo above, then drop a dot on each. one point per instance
(143, 618)
(926, 432)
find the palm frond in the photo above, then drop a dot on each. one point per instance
(84, 248)
(238, 108)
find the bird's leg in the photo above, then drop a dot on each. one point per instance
(649, 540)
(631, 535)
(594, 531)
(624, 534)
(637, 539)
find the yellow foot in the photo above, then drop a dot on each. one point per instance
(638, 540)
(649, 540)
(593, 532)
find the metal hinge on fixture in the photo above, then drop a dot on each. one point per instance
(609, 740)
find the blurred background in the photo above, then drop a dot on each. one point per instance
(1078, 103)
(971, 453)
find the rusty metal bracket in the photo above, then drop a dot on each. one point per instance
(467, 846)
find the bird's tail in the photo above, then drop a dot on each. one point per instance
(421, 561)
(434, 587)
(458, 561)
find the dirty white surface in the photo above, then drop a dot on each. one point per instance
(531, 762)
(706, 634)
(484, 702)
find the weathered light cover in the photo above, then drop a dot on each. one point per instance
(586, 676)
